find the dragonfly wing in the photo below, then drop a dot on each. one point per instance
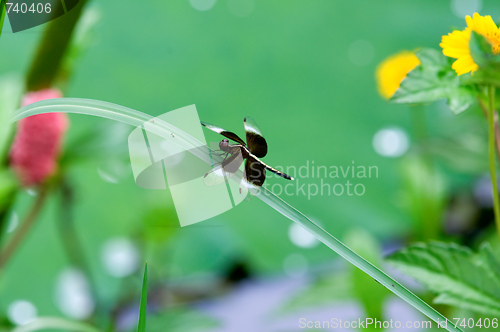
(223, 171)
(255, 172)
(256, 142)
(223, 132)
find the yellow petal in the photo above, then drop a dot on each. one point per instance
(391, 72)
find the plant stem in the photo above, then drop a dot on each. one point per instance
(26, 225)
(49, 57)
(491, 153)
(484, 108)
(70, 240)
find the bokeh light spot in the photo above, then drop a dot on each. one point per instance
(391, 142)
(202, 5)
(120, 257)
(21, 312)
(301, 237)
(462, 8)
(73, 294)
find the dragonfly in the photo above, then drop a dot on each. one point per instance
(234, 155)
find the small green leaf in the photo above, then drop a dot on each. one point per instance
(460, 277)
(488, 62)
(144, 299)
(433, 80)
(481, 50)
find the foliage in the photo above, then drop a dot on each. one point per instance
(459, 276)
(433, 80)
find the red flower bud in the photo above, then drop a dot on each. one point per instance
(38, 141)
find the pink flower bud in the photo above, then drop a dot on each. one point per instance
(38, 141)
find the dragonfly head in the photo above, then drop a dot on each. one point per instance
(224, 144)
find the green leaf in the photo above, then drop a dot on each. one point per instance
(488, 62)
(481, 51)
(460, 277)
(144, 299)
(433, 80)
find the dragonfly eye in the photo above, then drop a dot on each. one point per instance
(223, 144)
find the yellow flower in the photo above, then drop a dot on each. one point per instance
(456, 44)
(392, 71)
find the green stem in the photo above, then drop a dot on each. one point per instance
(23, 230)
(70, 239)
(191, 144)
(491, 153)
(427, 212)
(56, 39)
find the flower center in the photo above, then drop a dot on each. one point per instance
(494, 39)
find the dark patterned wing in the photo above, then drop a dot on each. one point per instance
(255, 172)
(225, 170)
(223, 132)
(256, 142)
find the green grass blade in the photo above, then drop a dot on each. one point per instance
(186, 141)
(141, 327)
(2, 15)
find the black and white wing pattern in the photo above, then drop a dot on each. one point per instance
(224, 132)
(255, 172)
(255, 141)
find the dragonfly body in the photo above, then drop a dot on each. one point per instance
(236, 153)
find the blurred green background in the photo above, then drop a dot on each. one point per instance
(303, 70)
